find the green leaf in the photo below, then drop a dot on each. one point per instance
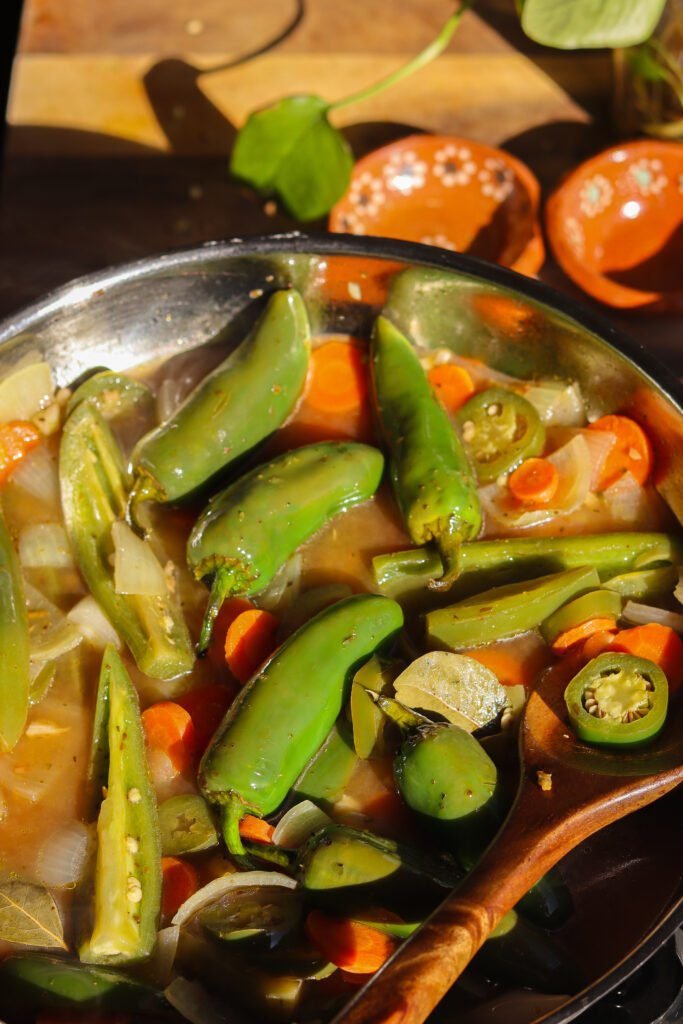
(29, 915)
(292, 151)
(644, 64)
(586, 24)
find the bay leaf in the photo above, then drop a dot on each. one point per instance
(29, 915)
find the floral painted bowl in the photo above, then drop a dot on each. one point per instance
(450, 192)
(615, 225)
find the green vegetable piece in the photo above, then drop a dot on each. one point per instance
(345, 860)
(258, 915)
(231, 411)
(585, 24)
(29, 915)
(458, 688)
(645, 584)
(396, 929)
(488, 563)
(366, 718)
(33, 983)
(113, 395)
(430, 473)
(505, 611)
(92, 482)
(14, 646)
(443, 773)
(128, 869)
(249, 530)
(284, 714)
(595, 604)
(618, 700)
(325, 779)
(499, 429)
(186, 826)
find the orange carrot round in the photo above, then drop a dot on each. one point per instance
(632, 451)
(571, 637)
(169, 727)
(452, 384)
(256, 829)
(597, 643)
(249, 641)
(338, 377)
(656, 643)
(179, 882)
(17, 439)
(354, 947)
(535, 482)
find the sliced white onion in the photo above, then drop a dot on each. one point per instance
(558, 403)
(600, 444)
(644, 614)
(194, 1003)
(283, 589)
(166, 778)
(50, 632)
(160, 969)
(627, 501)
(64, 855)
(45, 545)
(24, 392)
(89, 618)
(300, 822)
(136, 569)
(219, 886)
(38, 475)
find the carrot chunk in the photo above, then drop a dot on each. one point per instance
(256, 829)
(338, 377)
(571, 637)
(597, 643)
(535, 482)
(354, 947)
(207, 706)
(17, 439)
(179, 882)
(453, 385)
(169, 727)
(656, 643)
(249, 641)
(632, 451)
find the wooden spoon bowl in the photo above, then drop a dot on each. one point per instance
(589, 789)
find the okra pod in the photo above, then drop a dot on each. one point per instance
(14, 645)
(252, 527)
(128, 868)
(284, 714)
(93, 486)
(232, 410)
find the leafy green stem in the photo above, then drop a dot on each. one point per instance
(436, 47)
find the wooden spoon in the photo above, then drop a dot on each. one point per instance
(589, 789)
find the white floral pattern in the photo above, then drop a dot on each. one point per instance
(366, 194)
(575, 236)
(596, 195)
(442, 241)
(647, 176)
(454, 165)
(497, 179)
(405, 173)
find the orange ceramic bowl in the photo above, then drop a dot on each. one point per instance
(446, 191)
(616, 226)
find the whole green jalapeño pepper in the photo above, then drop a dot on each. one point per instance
(284, 714)
(618, 700)
(236, 407)
(14, 646)
(499, 429)
(431, 476)
(251, 528)
(128, 869)
(93, 486)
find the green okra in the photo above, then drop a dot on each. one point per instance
(14, 645)
(232, 410)
(128, 869)
(93, 487)
(249, 530)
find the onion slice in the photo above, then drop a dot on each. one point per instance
(219, 886)
(558, 403)
(89, 618)
(64, 855)
(300, 822)
(38, 475)
(136, 568)
(45, 546)
(644, 614)
(24, 392)
(194, 1003)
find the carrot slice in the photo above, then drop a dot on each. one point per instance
(600, 624)
(656, 643)
(207, 706)
(596, 644)
(535, 482)
(230, 609)
(512, 666)
(354, 947)
(632, 451)
(249, 641)
(453, 385)
(17, 439)
(169, 727)
(179, 882)
(338, 377)
(256, 829)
